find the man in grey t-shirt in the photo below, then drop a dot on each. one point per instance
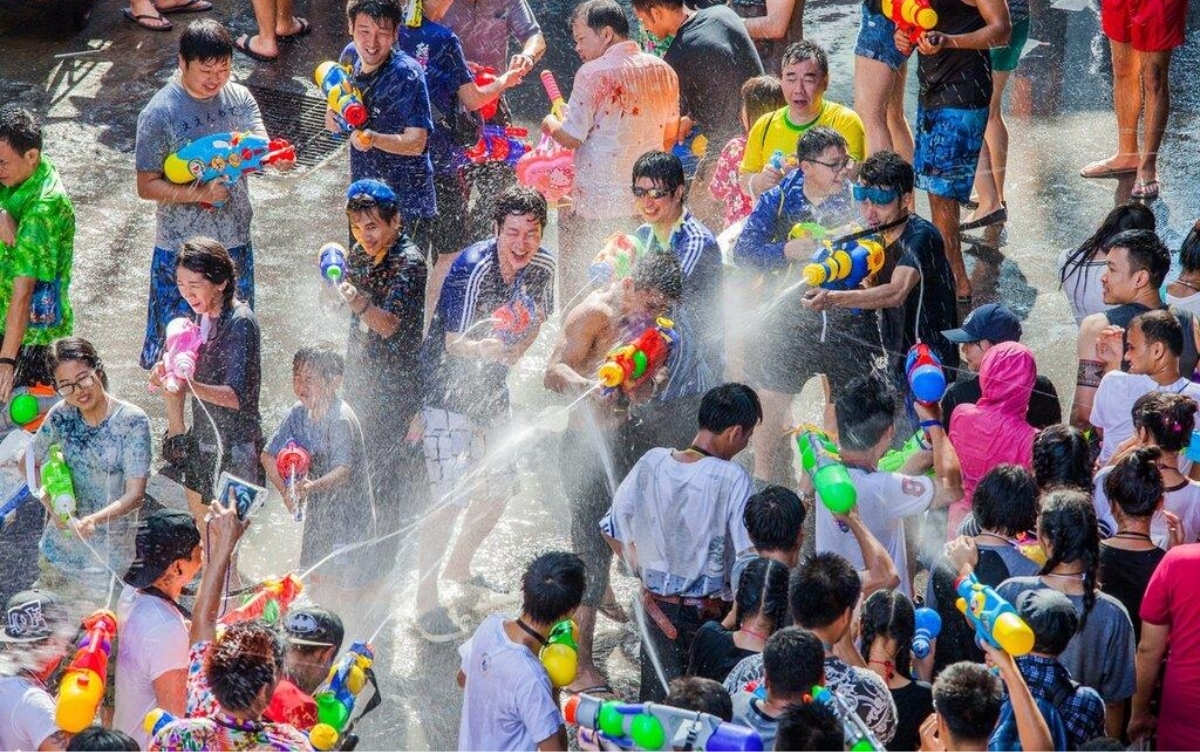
(199, 102)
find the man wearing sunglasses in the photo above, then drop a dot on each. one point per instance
(914, 291)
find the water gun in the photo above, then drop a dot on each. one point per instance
(292, 463)
(332, 260)
(558, 105)
(808, 231)
(628, 366)
(1031, 548)
(181, 350)
(27, 408)
(913, 17)
(821, 461)
(616, 259)
(843, 265)
(690, 152)
(995, 620)
(653, 726)
(82, 686)
(484, 76)
(559, 656)
(341, 95)
(156, 720)
(929, 626)
(15, 502)
(511, 322)
(269, 603)
(499, 143)
(926, 377)
(549, 168)
(857, 736)
(335, 698)
(58, 485)
(229, 155)
(779, 160)
(894, 459)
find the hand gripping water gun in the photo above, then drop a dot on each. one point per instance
(511, 321)
(549, 168)
(156, 720)
(499, 143)
(857, 736)
(843, 265)
(628, 366)
(994, 619)
(820, 459)
(779, 160)
(57, 483)
(894, 459)
(269, 603)
(82, 686)
(342, 96)
(559, 655)
(808, 230)
(926, 378)
(653, 726)
(180, 353)
(484, 76)
(558, 105)
(27, 408)
(292, 463)
(913, 17)
(229, 155)
(616, 259)
(335, 698)
(332, 260)
(929, 626)
(690, 152)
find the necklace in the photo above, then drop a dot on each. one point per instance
(697, 450)
(531, 632)
(998, 536)
(1067, 575)
(751, 632)
(889, 668)
(1131, 534)
(1187, 284)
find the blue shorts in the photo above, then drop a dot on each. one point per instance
(876, 40)
(166, 303)
(948, 141)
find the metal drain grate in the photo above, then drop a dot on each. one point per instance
(300, 118)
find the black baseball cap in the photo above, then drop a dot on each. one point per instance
(163, 538)
(32, 615)
(1051, 616)
(993, 322)
(313, 625)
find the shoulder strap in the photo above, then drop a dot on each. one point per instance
(1188, 359)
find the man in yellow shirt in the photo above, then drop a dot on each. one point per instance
(805, 79)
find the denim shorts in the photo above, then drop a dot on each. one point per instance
(948, 140)
(876, 40)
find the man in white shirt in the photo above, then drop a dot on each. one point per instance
(36, 636)
(677, 521)
(152, 649)
(1153, 345)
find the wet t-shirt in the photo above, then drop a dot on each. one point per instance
(230, 357)
(439, 53)
(484, 26)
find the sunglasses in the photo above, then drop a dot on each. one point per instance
(877, 196)
(654, 193)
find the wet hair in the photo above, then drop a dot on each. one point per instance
(762, 95)
(1146, 253)
(729, 405)
(662, 168)
(597, 14)
(1161, 326)
(816, 140)
(211, 260)
(865, 411)
(100, 739)
(517, 200)
(1068, 523)
(20, 129)
(889, 614)
(365, 203)
(809, 726)
(1189, 249)
(968, 697)
(243, 662)
(661, 272)
(887, 169)
(1169, 418)
(762, 590)
(805, 49)
(1006, 500)
(1062, 459)
(553, 586)
(378, 10)
(1130, 216)
(323, 357)
(700, 695)
(75, 348)
(205, 41)
(823, 588)
(645, 5)
(793, 661)
(774, 518)
(1135, 484)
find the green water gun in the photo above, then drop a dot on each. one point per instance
(808, 230)
(894, 459)
(821, 461)
(58, 485)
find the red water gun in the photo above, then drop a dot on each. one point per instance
(269, 602)
(485, 75)
(293, 462)
(82, 685)
(913, 17)
(499, 144)
(627, 367)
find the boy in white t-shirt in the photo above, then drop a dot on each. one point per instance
(677, 521)
(35, 638)
(865, 420)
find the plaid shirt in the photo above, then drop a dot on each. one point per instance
(1082, 713)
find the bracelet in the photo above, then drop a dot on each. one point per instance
(930, 423)
(8, 362)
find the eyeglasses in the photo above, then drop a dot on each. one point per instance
(66, 390)
(877, 196)
(654, 193)
(837, 166)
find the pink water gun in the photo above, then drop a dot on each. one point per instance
(549, 168)
(181, 353)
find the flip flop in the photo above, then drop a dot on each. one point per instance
(1146, 190)
(1101, 170)
(140, 20)
(995, 218)
(305, 30)
(242, 44)
(191, 6)
(598, 689)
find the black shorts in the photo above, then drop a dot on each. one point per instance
(32, 367)
(449, 231)
(194, 464)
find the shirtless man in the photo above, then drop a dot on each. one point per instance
(597, 443)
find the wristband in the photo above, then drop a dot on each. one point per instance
(930, 424)
(9, 362)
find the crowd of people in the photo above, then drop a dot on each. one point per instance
(759, 598)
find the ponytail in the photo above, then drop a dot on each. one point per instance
(1068, 523)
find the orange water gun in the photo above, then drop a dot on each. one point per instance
(82, 686)
(269, 603)
(913, 17)
(627, 367)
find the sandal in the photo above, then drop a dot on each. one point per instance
(305, 30)
(1101, 170)
(143, 20)
(191, 6)
(243, 45)
(1146, 190)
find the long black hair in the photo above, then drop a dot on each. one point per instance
(1061, 459)
(1130, 216)
(889, 613)
(763, 590)
(1068, 524)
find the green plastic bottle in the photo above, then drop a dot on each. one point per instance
(57, 483)
(820, 459)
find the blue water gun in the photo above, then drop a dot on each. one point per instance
(156, 720)
(690, 152)
(512, 321)
(335, 699)
(498, 143)
(341, 95)
(929, 626)
(229, 155)
(332, 259)
(994, 619)
(652, 726)
(844, 264)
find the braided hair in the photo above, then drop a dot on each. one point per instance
(763, 590)
(1070, 533)
(1061, 459)
(889, 614)
(1169, 418)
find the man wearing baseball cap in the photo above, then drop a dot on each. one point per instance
(987, 326)
(313, 637)
(35, 638)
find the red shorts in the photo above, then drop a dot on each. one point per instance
(1148, 25)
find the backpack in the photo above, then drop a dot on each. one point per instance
(1005, 736)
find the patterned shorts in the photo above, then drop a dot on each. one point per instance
(876, 40)
(948, 143)
(458, 463)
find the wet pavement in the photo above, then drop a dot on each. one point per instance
(91, 85)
